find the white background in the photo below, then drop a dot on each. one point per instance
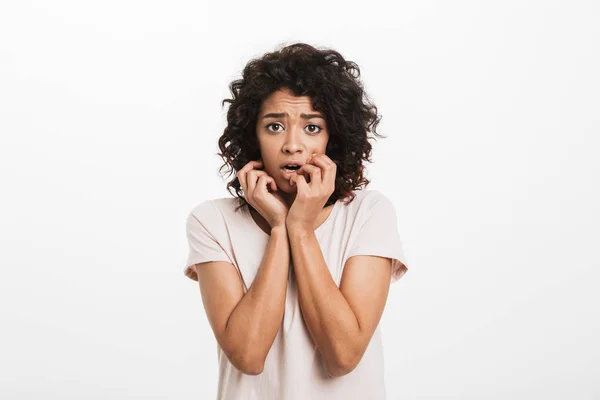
(109, 118)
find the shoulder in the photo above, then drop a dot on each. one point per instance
(213, 212)
(369, 207)
(368, 199)
(370, 195)
(209, 208)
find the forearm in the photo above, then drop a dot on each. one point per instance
(329, 318)
(255, 321)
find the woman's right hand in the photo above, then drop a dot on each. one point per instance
(254, 183)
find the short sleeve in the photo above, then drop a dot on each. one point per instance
(378, 234)
(203, 246)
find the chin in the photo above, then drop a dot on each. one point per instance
(286, 187)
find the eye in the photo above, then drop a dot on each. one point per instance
(273, 124)
(318, 128)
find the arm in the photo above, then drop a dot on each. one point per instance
(245, 325)
(340, 321)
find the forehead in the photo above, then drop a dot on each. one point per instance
(285, 98)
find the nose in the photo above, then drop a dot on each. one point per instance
(293, 141)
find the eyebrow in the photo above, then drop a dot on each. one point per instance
(281, 115)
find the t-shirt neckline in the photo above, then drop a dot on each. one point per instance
(249, 218)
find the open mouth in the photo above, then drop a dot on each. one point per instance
(290, 170)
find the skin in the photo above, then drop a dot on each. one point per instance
(340, 320)
(287, 128)
(290, 137)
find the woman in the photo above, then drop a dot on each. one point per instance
(294, 270)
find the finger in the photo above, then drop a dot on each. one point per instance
(242, 172)
(300, 182)
(261, 184)
(314, 172)
(252, 177)
(327, 166)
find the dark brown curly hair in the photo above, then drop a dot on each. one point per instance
(335, 89)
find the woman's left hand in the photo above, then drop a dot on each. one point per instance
(311, 197)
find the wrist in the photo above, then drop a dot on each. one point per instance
(298, 228)
(278, 222)
(276, 229)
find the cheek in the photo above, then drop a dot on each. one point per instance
(270, 167)
(323, 144)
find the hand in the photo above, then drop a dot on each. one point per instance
(311, 197)
(270, 205)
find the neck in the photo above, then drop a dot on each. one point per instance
(289, 198)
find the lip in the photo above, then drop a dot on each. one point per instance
(283, 164)
(287, 174)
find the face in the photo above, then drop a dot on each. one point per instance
(289, 129)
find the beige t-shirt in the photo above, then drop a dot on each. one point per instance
(293, 368)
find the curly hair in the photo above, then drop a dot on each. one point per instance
(335, 89)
